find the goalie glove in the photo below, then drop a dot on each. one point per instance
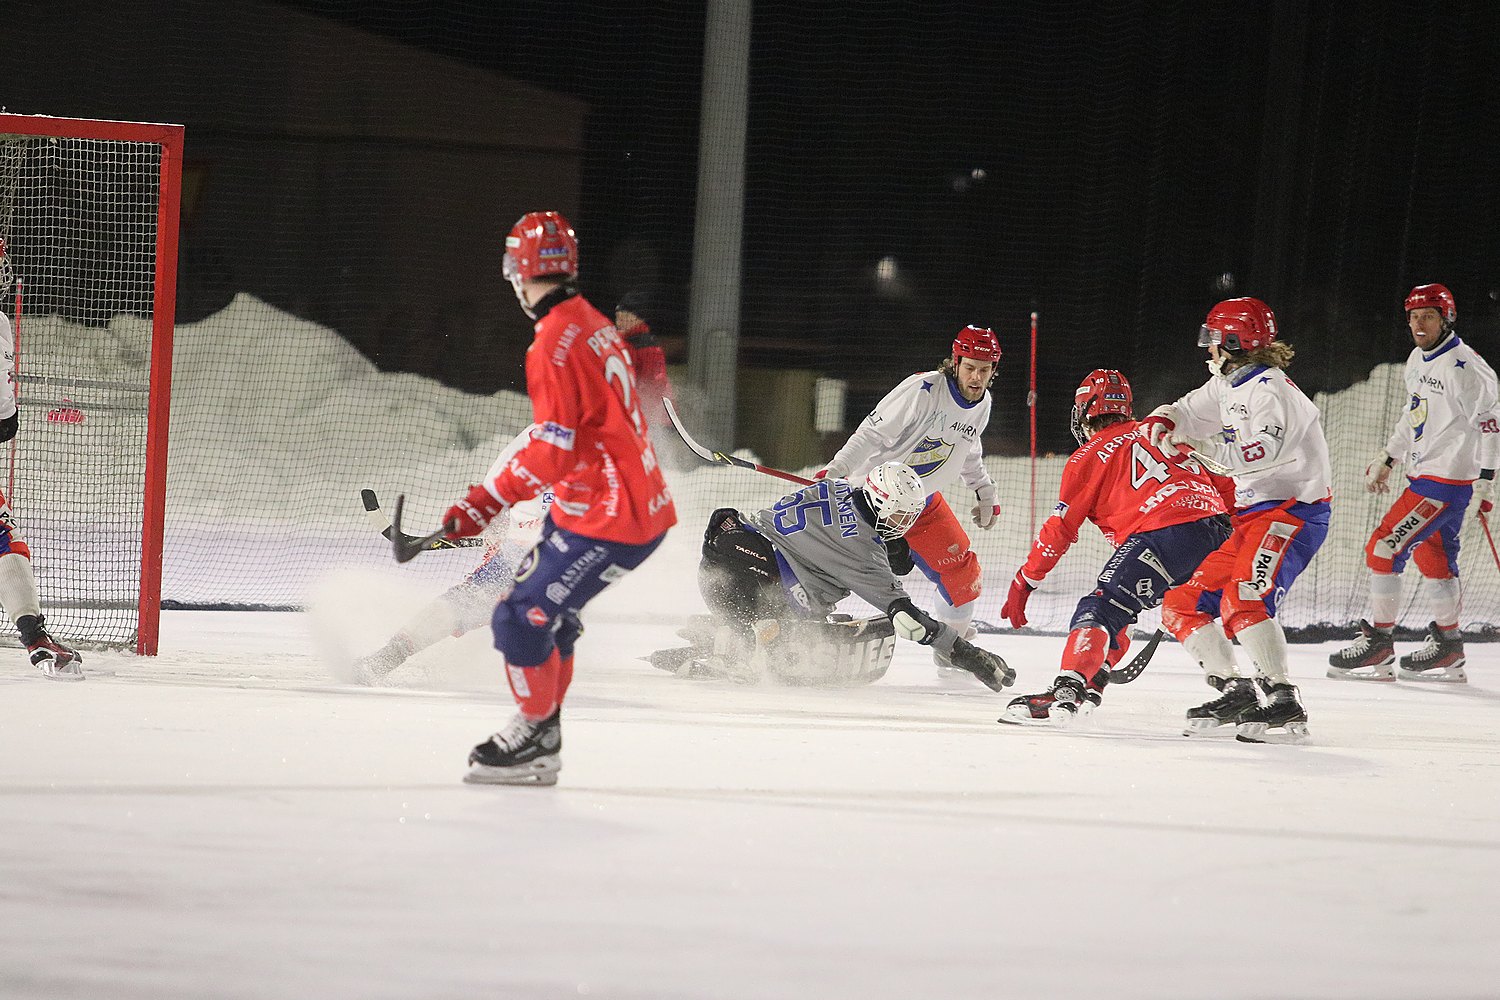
(1484, 490)
(1378, 472)
(988, 510)
(472, 514)
(993, 672)
(1014, 608)
(912, 623)
(1159, 425)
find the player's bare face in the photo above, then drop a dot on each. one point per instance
(1426, 327)
(974, 377)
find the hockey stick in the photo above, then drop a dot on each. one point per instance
(1484, 522)
(1218, 468)
(718, 457)
(382, 523)
(404, 546)
(1137, 664)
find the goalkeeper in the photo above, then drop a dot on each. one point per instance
(773, 578)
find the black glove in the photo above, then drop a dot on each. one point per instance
(993, 672)
(898, 553)
(9, 426)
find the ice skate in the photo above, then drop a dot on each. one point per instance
(1370, 657)
(1440, 659)
(1281, 719)
(52, 658)
(1218, 717)
(371, 668)
(1067, 700)
(523, 753)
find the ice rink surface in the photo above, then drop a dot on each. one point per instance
(227, 820)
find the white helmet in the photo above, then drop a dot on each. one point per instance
(897, 497)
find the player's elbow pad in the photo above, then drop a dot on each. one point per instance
(9, 426)
(912, 623)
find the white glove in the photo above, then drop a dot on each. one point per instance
(1183, 444)
(1376, 474)
(1159, 424)
(1484, 492)
(988, 511)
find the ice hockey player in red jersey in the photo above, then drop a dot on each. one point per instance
(1161, 511)
(1448, 443)
(610, 506)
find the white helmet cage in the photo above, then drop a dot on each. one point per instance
(897, 497)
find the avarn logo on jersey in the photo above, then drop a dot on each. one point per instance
(1416, 415)
(929, 455)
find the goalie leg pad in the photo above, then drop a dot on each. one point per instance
(833, 654)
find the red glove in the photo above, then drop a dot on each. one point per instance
(472, 514)
(1014, 608)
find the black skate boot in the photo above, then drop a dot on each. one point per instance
(1440, 659)
(48, 655)
(1281, 719)
(1218, 717)
(1065, 701)
(1370, 657)
(523, 753)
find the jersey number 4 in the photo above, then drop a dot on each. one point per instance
(1146, 467)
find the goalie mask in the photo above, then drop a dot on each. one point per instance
(1105, 391)
(896, 497)
(539, 244)
(7, 275)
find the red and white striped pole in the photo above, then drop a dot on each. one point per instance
(1031, 406)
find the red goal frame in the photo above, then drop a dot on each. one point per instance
(163, 317)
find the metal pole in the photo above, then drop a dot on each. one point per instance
(714, 303)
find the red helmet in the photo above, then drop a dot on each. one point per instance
(541, 243)
(1433, 297)
(1102, 392)
(1238, 325)
(977, 342)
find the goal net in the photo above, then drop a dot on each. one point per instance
(89, 213)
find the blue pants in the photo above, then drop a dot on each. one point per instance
(1138, 575)
(556, 579)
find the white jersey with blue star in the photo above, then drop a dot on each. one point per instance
(1257, 416)
(7, 379)
(1449, 430)
(926, 423)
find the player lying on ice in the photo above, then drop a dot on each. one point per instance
(1251, 417)
(468, 604)
(1160, 509)
(772, 579)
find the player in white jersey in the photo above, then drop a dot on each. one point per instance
(1448, 443)
(469, 604)
(17, 583)
(1250, 417)
(932, 422)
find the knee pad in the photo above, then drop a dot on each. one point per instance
(1243, 615)
(1103, 610)
(1180, 614)
(524, 636)
(1432, 559)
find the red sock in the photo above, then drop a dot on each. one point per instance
(564, 678)
(536, 687)
(1084, 651)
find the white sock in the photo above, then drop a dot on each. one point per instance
(1447, 601)
(18, 587)
(1266, 643)
(1385, 599)
(1210, 647)
(958, 618)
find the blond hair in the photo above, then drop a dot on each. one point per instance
(1276, 354)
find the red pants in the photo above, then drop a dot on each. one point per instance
(940, 548)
